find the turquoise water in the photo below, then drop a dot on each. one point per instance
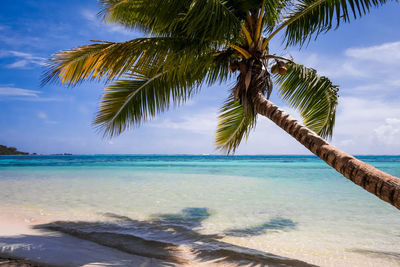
(291, 206)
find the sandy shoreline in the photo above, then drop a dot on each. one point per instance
(27, 240)
(23, 243)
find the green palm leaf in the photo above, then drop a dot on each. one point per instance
(233, 124)
(146, 92)
(127, 103)
(110, 60)
(312, 17)
(149, 16)
(313, 95)
(218, 70)
(273, 13)
(200, 19)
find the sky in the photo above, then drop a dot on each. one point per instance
(362, 57)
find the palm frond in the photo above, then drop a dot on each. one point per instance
(211, 19)
(159, 16)
(312, 17)
(234, 123)
(313, 95)
(272, 13)
(129, 102)
(146, 92)
(110, 60)
(201, 19)
(218, 70)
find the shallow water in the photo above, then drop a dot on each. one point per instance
(291, 206)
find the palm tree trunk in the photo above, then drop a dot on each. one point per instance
(381, 184)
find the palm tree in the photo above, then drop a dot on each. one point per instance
(192, 43)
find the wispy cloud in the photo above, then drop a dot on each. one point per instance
(363, 126)
(204, 122)
(367, 126)
(389, 132)
(366, 71)
(41, 115)
(387, 53)
(22, 60)
(95, 20)
(12, 91)
(45, 118)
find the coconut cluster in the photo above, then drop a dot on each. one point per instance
(279, 67)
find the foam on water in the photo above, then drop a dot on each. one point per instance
(290, 208)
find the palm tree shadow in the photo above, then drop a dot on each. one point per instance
(275, 224)
(170, 237)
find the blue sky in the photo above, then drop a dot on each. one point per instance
(362, 57)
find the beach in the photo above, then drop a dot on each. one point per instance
(150, 210)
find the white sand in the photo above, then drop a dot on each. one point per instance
(18, 240)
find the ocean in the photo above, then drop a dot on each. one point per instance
(284, 209)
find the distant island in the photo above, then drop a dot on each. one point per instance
(11, 151)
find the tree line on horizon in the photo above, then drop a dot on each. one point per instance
(4, 150)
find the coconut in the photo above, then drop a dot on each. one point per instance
(275, 69)
(282, 67)
(283, 70)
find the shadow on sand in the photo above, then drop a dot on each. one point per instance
(273, 224)
(169, 237)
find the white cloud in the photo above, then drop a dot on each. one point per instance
(363, 126)
(45, 118)
(23, 60)
(369, 71)
(387, 53)
(268, 138)
(11, 91)
(89, 15)
(41, 115)
(389, 132)
(18, 64)
(333, 67)
(93, 19)
(204, 122)
(194, 131)
(368, 126)
(395, 83)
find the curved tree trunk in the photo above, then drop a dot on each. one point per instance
(381, 184)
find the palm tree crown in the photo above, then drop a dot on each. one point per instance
(192, 42)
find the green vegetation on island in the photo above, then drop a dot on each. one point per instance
(4, 150)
